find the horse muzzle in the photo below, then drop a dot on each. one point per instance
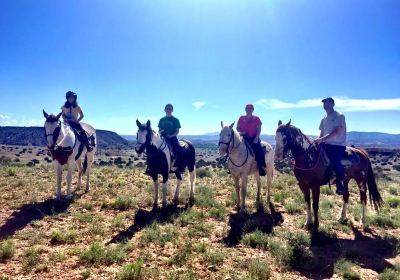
(139, 150)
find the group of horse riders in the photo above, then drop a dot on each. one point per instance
(332, 134)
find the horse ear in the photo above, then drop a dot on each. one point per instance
(138, 123)
(288, 124)
(58, 116)
(231, 126)
(222, 124)
(45, 114)
(279, 123)
(148, 124)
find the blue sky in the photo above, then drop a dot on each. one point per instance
(127, 59)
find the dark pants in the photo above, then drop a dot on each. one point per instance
(176, 150)
(335, 154)
(258, 151)
(82, 133)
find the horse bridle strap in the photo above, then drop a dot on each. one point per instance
(232, 140)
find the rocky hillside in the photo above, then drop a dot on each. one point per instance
(34, 136)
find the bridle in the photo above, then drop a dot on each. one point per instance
(55, 134)
(149, 138)
(228, 152)
(319, 154)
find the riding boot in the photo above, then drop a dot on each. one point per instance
(261, 170)
(340, 188)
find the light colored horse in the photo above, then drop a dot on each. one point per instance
(241, 163)
(66, 149)
(159, 161)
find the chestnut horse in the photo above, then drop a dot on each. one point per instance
(310, 178)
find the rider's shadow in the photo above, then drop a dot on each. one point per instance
(241, 224)
(27, 213)
(144, 218)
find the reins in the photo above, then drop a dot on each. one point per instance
(228, 153)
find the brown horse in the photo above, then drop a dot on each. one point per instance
(311, 176)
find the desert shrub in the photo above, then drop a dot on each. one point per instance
(133, 271)
(256, 239)
(7, 249)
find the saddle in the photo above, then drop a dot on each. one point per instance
(349, 158)
(80, 137)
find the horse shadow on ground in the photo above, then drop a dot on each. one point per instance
(144, 218)
(241, 223)
(366, 251)
(27, 213)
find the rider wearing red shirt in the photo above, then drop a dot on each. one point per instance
(249, 126)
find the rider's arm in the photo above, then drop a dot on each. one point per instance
(336, 131)
(258, 133)
(80, 115)
(174, 134)
(238, 126)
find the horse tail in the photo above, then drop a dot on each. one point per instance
(374, 195)
(190, 156)
(85, 164)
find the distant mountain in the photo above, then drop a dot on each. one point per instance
(24, 136)
(359, 139)
(34, 136)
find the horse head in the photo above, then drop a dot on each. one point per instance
(285, 138)
(52, 128)
(143, 136)
(226, 138)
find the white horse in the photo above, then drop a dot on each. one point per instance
(67, 149)
(241, 163)
(159, 160)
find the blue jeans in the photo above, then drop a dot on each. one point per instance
(335, 154)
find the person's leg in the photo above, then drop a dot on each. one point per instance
(259, 157)
(177, 150)
(84, 137)
(335, 154)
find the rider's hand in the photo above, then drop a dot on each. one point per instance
(255, 141)
(318, 141)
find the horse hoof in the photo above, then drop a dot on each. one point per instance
(155, 207)
(308, 226)
(175, 202)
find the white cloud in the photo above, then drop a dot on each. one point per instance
(345, 104)
(6, 120)
(198, 105)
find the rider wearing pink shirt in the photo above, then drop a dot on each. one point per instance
(249, 126)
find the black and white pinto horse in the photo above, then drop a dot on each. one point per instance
(67, 149)
(159, 159)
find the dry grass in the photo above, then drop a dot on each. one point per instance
(112, 233)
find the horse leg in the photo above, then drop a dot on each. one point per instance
(88, 170)
(155, 182)
(258, 197)
(315, 197)
(59, 169)
(177, 190)
(237, 189)
(346, 196)
(270, 177)
(307, 199)
(192, 179)
(70, 166)
(244, 193)
(164, 191)
(79, 167)
(362, 185)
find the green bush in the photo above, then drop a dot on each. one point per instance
(98, 254)
(7, 249)
(256, 239)
(258, 269)
(389, 274)
(132, 271)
